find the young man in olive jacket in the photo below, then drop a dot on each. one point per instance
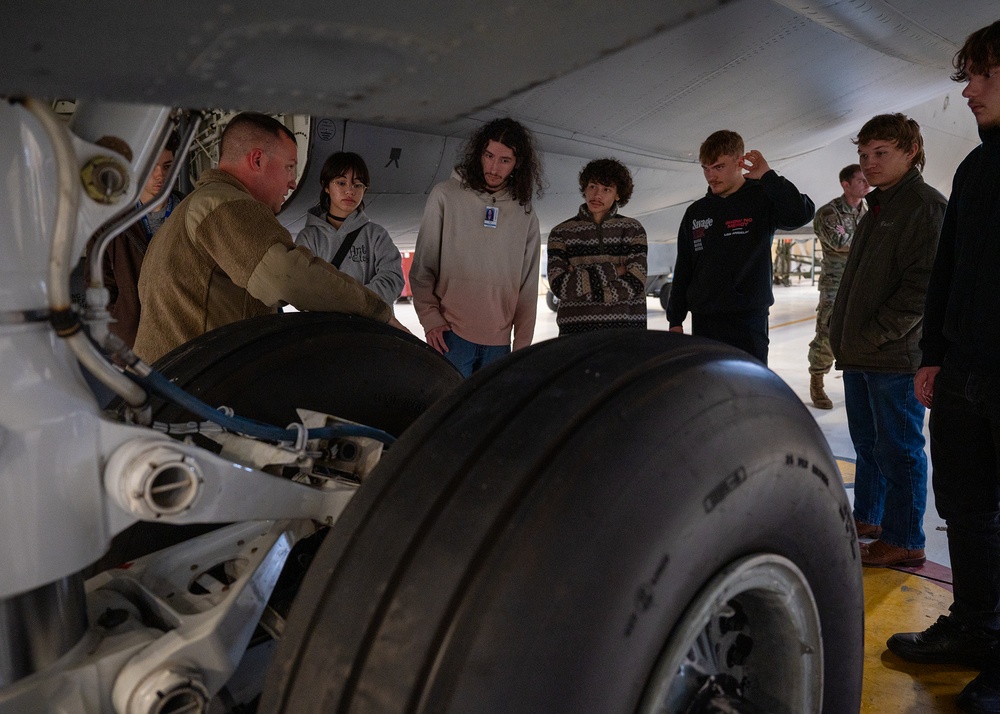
(959, 381)
(874, 331)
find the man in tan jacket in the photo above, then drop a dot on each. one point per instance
(222, 256)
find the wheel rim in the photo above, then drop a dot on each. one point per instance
(751, 639)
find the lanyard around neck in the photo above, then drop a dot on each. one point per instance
(145, 219)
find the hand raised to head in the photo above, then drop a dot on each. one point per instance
(754, 163)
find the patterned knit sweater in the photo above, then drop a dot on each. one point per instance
(583, 257)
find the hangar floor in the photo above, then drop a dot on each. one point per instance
(895, 599)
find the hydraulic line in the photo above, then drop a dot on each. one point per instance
(157, 383)
(64, 319)
(97, 256)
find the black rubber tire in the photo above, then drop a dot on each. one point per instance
(665, 295)
(551, 300)
(531, 542)
(348, 366)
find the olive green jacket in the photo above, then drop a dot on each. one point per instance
(877, 318)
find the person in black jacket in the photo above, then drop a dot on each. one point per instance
(959, 381)
(723, 271)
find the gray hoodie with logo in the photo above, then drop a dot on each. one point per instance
(373, 260)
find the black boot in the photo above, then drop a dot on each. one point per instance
(947, 641)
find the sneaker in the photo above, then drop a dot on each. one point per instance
(867, 530)
(945, 642)
(879, 554)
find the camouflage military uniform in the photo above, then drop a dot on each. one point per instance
(834, 225)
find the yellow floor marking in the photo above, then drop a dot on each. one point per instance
(901, 602)
(846, 470)
(791, 322)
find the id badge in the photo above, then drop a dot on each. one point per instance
(491, 217)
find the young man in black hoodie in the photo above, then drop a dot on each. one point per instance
(959, 380)
(723, 271)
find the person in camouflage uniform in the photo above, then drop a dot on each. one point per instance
(834, 225)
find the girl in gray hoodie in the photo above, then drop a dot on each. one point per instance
(370, 257)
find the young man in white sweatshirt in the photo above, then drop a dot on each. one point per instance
(474, 275)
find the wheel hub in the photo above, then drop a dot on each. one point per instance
(749, 642)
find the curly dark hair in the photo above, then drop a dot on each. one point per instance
(338, 164)
(527, 174)
(981, 51)
(609, 172)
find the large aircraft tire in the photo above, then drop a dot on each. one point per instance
(551, 535)
(348, 366)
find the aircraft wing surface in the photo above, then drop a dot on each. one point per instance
(644, 81)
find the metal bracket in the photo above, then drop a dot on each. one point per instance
(168, 631)
(159, 479)
(210, 592)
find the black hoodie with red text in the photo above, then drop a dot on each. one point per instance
(724, 247)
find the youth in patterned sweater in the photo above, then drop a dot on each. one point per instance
(597, 260)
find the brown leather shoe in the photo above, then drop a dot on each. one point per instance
(817, 394)
(867, 530)
(879, 554)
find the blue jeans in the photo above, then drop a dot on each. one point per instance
(468, 356)
(890, 486)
